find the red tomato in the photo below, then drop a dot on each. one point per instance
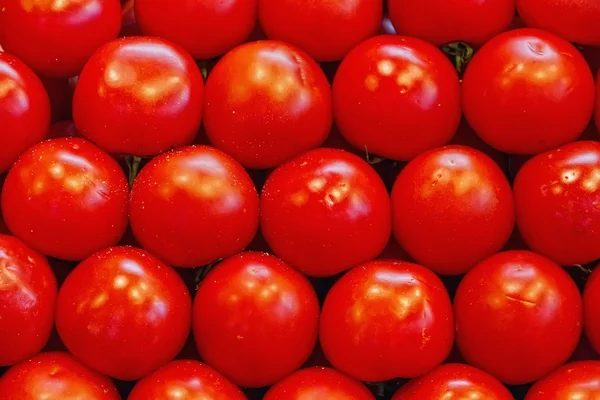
(387, 319)
(327, 30)
(185, 380)
(255, 319)
(397, 97)
(591, 309)
(123, 312)
(194, 205)
(325, 212)
(139, 96)
(454, 381)
(267, 102)
(505, 308)
(66, 198)
(578, 380)
(318, 384)
(56, 38)
(557, 197)
(445, 21)
(452, 207)
(24, 109)
(205, 29)
(55, 376)
(527, 91)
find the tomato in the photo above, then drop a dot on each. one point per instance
(318, 383)
(387, 319)
(445, 21)
(24, 109)
(527, 91)
(325, 212)
(66, 198)
(397, 97)
(139, 96)
(504, 309)
(255, 319)
(456, 381)
(578, 380)
(452, 207)
(56, 38)
(194, 205)
(185, 380)
(55, 376)
(205, 29)
(557, 197)
(327, 30)
(267, 102)
(123, 312)
(591, 309)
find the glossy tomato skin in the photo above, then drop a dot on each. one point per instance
(591, 311)
(66, 198)
(123, 312)
(578, 380)
(267, 102)
(194, 205)
(504, 308)
(255, 319)
(325, 212)
(55, 376)
(527, 91)
(445, 21)
(444, 203)
(24, 109)
(139, 96)
(318, 383)
(557, 198)
(387, 319)
(326, 30)
(397, 97)
(56, 38)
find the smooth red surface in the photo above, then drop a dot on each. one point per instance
(24, 109)
(55, 376)
(452, 207)
(325, 212)
(387, 319)
(527, 91)
(591, 310)
(326, 30)
(194, 205)
(139, 96)
(255, 319)
(123, 312)
(397, 97)
(557, 197)
(578, 380)
(56, 37)
(66, 198)
(504, 309)
(267, 102)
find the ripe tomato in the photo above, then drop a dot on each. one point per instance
(267, 102)
(56, 38)
(452, 207)
(318, 383)
(327, 30)
(578, 380)
(55, 376)
(123, 312)
(139, 96)
(185, 380)
(527, 91)
(24, 109)
(194, 205)
(397, 97)
(591, 309)
(325, 212)
(387, 319)
(504, 309)
(66, 198)
(557, 198)
(255, 319)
